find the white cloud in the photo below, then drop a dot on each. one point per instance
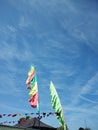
(11, 28)
(91, 84)
(88, 100)
(68, 71)
(81, 109)
(24, 22)
(9, 52)
(12, 108)
(88, 89)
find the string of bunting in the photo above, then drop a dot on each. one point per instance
(24, 120)
(8, 122)
(44, 114)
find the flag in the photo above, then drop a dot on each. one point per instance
(30, 75)
(55, 101)
(33, 90)
(31, 83)
(34, 100)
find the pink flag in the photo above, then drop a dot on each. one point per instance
(34, 100)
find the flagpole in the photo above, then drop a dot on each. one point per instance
(39, 111)
(38, 108)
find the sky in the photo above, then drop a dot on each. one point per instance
(60, 38)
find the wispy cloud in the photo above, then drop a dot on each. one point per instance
(13, 108)
(80, 110)
(88, 100)
(91, 84)
(11, 28)
(24, 22)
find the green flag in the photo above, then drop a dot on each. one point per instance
(55, 101)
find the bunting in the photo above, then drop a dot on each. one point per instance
(8, 122)
(24, 119)
(57, 105)
(43, 114)
(31, 83)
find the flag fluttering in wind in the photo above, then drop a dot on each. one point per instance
(55, 101)
(31, 83)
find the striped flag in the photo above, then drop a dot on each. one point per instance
(31, 83)
(55, 101)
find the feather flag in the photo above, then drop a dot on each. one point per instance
(31, 83)
(55, 101)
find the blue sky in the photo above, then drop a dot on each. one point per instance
(60, 38)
